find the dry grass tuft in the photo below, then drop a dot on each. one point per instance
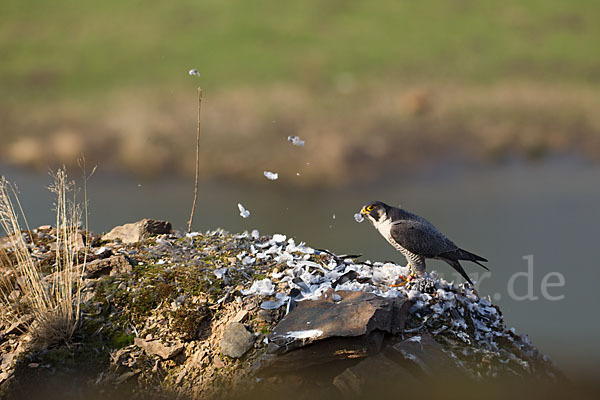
(49, 304)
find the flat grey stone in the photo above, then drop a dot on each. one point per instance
(356, 314)
(136, 231)
(112, 265)
(236, 340)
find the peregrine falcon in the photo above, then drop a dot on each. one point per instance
(416, 238)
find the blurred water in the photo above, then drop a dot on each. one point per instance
(503, 213)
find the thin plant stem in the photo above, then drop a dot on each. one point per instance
(197, 162)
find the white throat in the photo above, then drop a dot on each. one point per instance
(384, 226)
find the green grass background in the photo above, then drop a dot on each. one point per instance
(63, 48)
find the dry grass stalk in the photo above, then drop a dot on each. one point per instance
(53, 301)
(197, 163)
(31, 284)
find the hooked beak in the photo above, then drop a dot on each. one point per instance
(364, 211)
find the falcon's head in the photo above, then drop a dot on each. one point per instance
(375, 211)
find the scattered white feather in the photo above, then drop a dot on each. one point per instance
(248, 260)
(284, 257)
(280, 300)
(279, 238)
(271, 175)
(307, 334)
(194, 72)
(243, 212)
(359, 218)
(100, 250)
(296, 141)
(220, 272)
(261, 287)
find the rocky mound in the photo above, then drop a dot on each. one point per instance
(216, 314)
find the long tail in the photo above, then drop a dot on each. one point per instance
(461, 254)
(452, 258)
(456, 265)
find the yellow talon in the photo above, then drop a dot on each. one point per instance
(404, 280)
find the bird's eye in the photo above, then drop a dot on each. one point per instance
(370, 207)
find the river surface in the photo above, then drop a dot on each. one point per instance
(532, 219)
